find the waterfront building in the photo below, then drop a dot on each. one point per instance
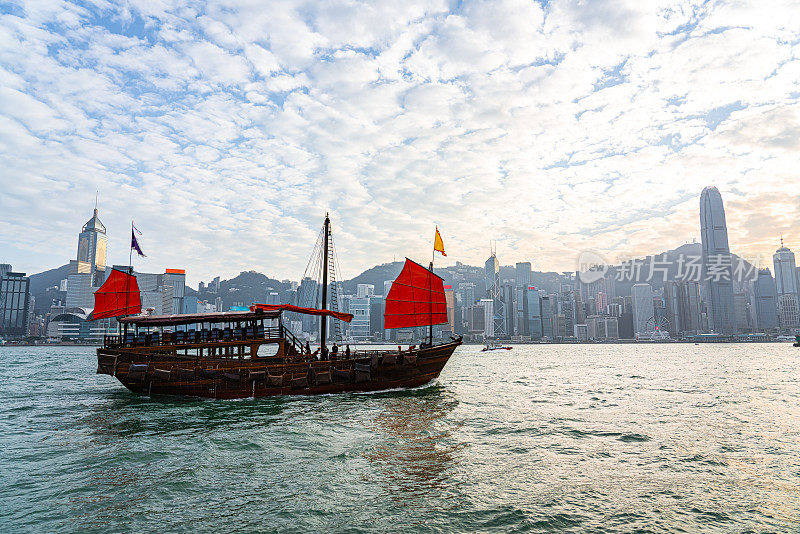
(786, 285)
(643, 310)
(717, 265)
(602, 327)
(682, 302)
(560, 326)
(765, 296)
(15, 304)
(475, 318)
(450, 299)
(546, 302)
(488, 318)
(509, 306)
(625, 324)
(581, 332)
(494, 292)
(377, 305)
(742, 315)
(523, 274)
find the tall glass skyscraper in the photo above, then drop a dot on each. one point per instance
(786, 285)
(92, 245)
(717, 265)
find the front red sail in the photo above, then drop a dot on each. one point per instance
(346, 317)
(118, 296)
(415, 299)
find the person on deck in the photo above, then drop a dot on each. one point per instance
(334, 351)
(324, 353)
(308, 348)
(347, 351)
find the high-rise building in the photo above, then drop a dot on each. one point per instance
(643, 310)
(14, 304)
(602, 327)
(682, 303)
(450, 300)
(601, 303)
(466, 294)
(717, 264)
(491, 277)
(92, 247)
(765, 296)
(786, 286)
(364, 290)
(523, 274)
(547, 315)
(494, 293)
(173, 288)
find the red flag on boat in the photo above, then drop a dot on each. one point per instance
(118, 296)
(415, 299)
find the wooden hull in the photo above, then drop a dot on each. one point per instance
(233, 378)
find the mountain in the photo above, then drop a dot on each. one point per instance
(41, 282)
(376, 276)
(246, 288)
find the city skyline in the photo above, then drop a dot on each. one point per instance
(226, 133)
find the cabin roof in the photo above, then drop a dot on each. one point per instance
(190, 318)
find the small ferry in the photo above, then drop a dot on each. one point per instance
(491, 347)
(238, 354)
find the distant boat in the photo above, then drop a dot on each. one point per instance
(491, 347)
(216, 355)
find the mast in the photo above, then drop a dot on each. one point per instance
(324, 319)
(430, 306)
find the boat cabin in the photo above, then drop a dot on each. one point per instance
(237, 334)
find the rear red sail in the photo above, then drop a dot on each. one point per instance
(415, 299)
(346, 317)
(118, 296)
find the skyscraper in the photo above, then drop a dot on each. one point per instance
(491, 276)
(766, 301)
(523, 274)
(643, 310)
(717, 275)
(14, 304)
(786, 286)
(92, 246)
(494, 293)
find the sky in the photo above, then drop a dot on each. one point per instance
(227, 130)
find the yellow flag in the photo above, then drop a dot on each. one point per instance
(438, 244)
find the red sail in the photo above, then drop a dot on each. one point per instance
(346, 317)
(415, 299)
(118, 296)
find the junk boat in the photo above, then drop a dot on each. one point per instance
(239, 354)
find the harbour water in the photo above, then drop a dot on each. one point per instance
(604, 438)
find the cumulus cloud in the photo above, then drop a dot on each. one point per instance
(227, 130)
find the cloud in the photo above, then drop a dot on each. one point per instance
(227, 130)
